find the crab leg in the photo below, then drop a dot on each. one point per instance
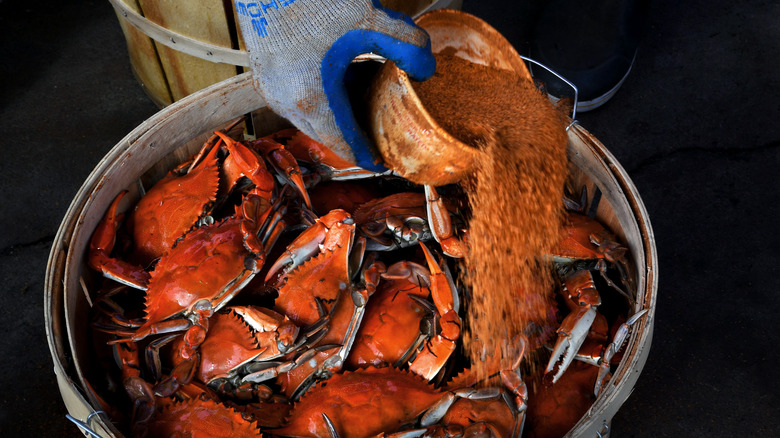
(307, 368)
(438, 349)
(514, 382)
(138, 389)
(321, 234)
(101, 245)
(360, 298)
(284, 163)
(110, 315)
(441, 225)
(613, 348)
(329, 165)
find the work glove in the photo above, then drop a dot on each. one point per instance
(299, 51)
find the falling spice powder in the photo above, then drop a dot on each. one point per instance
(515, 198)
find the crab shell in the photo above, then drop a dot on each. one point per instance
(575, 240)
(390, 325)
(321, 278)
(345, 195)
(211, 263)
(231, 342)
(496, 413)
(171, 207)
(553, 409)
(361, 403)
(200, 417)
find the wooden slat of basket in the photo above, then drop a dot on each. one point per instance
(204, 21)
(145, 62)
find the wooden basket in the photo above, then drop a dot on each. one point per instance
(177, 48)
(172, 134)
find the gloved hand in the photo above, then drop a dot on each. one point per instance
(300, 50)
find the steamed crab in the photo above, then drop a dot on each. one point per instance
(241, 338)
(389, 333)
(333, 305)
(204, 269)
(180, 202)
(315, 281)
(199, 414)
(380, 401)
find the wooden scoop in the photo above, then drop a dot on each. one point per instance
(411, 142)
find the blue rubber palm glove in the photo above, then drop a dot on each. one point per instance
(300, 50)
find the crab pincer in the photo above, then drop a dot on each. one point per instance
(441, 224)
(440, 346)
(575, 327)
(333, 229)
(326, 164)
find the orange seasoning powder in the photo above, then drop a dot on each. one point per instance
(515, 195)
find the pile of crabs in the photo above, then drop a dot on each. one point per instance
(267, 287)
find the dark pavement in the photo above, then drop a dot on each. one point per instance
(696, 125)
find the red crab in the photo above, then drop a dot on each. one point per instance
(360, 404)
(390, 331)
(315, 282)
(239, 338)
(380, 401)
(584, 239)
(199, 276)
(179, 202)
(199, 416)
(402, 219)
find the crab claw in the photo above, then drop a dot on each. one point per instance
(582, 293)
(250, 164)
(613, 348)
(310, 242)
(139, 390)
(329, 166)
(441, 224)
(571, 334)
(439, 348)
(436, 412)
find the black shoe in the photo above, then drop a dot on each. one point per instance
(591, 43)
